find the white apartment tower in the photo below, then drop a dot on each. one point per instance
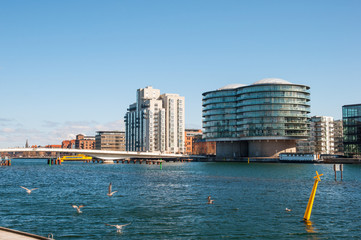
(155, 123)
(322, 134)
(321, 140)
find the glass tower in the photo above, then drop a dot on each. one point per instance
(272, 108)
(351, 117)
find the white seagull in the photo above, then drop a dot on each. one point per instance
(288, 210)
(210, 201)
(78, 208)
(28, 190)
(110, 193)
(118, 227)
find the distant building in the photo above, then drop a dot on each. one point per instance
(84, 142)
(190, 136)
(68, 144)
(321, 139)
(351, 117)
(322, 134)
(263, 119)
(155, 122)
(338, 137)
(51, 154)
(110, 140)
(53, 146)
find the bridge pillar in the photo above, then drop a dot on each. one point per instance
(108, 161)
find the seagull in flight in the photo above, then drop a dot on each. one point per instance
(28, 190)
(118, 227)
(77, 208)
(210, 201)
(110, 193)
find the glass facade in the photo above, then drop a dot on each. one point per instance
(275, 110)
(351, 117)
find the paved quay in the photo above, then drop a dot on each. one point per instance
(10, 234)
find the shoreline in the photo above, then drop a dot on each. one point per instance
(277, 160)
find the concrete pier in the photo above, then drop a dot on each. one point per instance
(11, 234)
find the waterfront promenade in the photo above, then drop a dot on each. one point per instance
(11, 234)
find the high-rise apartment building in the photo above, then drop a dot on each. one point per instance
(351, 117)
(155, 122)
(322, 134)
(110, 140)
(321, 139)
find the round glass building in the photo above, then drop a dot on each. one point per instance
(260, 120)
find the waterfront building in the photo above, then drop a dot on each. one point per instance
(322, 136)
(338, 137)
(53, 146)
(263, 119)
(84, 142)
(203, 147)
(351, 117)
(155, 122)
(190, 136)
(68, 144)
(321, 140)
(110, 140)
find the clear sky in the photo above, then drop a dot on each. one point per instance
(69, 67)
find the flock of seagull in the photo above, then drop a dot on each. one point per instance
(110, 193)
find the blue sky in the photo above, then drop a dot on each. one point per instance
(69, 67)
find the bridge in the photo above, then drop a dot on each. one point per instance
(105, 155)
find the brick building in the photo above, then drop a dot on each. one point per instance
(84, 142)
(190, 136)
(68, 144)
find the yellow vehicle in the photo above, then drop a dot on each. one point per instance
(79, 157)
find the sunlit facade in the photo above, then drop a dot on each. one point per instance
(248, 117)
(155, 122)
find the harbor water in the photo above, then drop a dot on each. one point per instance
(171, 203)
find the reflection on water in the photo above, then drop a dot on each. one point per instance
(249, 200)
(309, 228)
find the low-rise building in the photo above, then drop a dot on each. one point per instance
(68, 144)
(84, 142)
(190, 137)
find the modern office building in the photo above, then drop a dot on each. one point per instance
(263, 119)
(155, 122)
(110, 140)
(351, 117)
(338, 137)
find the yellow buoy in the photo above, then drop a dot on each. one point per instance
(308, 211)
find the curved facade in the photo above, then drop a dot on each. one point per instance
(270, 109)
